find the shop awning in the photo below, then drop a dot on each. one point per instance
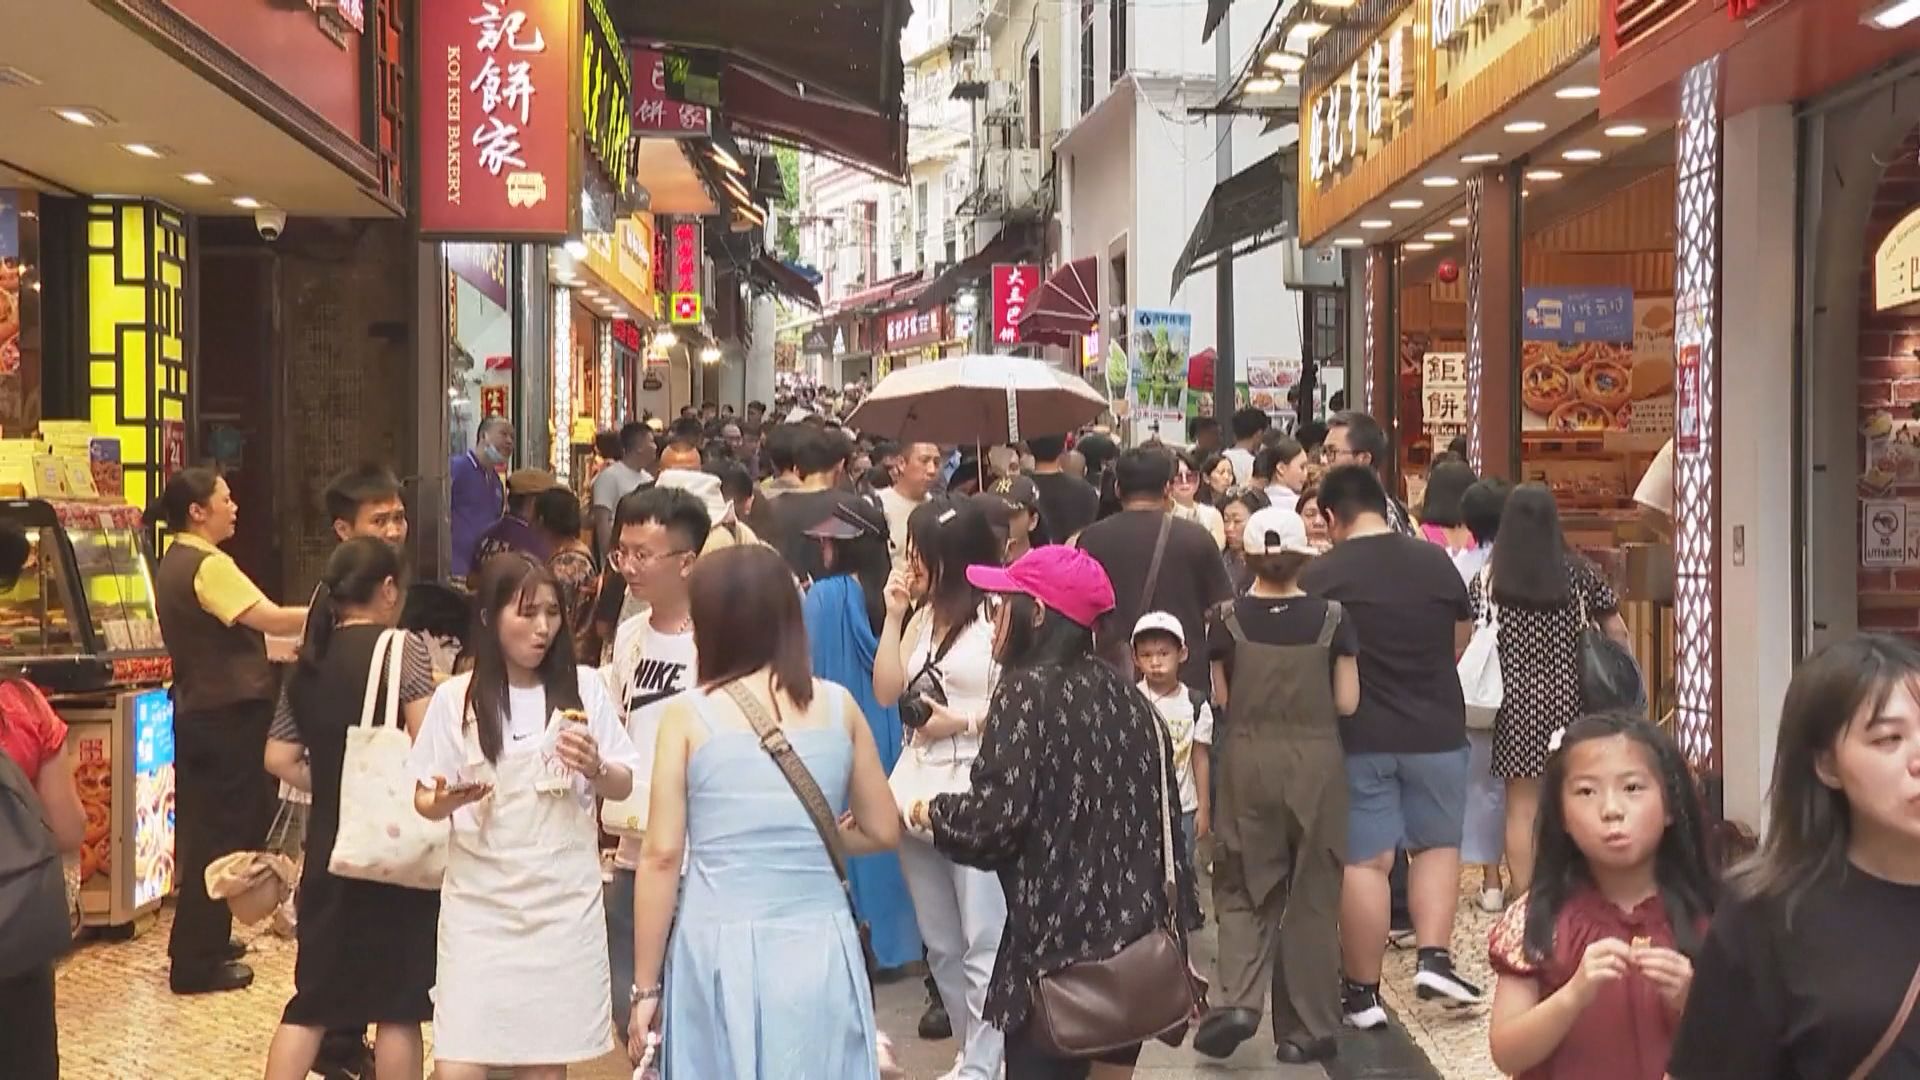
(777, 276)
(1216, 14)
(879, 293)
(1247, 211)
(758, 107)
(1065, 306)
(1011, 244)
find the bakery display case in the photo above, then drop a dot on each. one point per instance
(122, 749)
(81, 617)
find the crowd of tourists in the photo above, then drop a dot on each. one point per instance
(778, 710)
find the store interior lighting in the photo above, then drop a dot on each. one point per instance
(1577, 93)
(1376, 223)
(1307, 31)
(1479, 159)
(576, 248)
(1405, 204)
(1459, 222)
(247, 202)
(1581, 153)
(1418, 245)
(197, 179)
(1891, 14)
(710, 354)
(1625, 131)
(1349, 242)
(1281, 60)
(82, 115)
(1441, 181)
(1542, 175)
(1525, 127)
(666, 339)
(143, 150)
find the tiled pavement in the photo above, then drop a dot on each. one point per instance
(119, 1022)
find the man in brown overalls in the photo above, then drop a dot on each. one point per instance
(1288, 660)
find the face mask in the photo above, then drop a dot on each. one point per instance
(491, 454)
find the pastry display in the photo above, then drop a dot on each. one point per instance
(1579, 416)
(94, 780)
(1545, 386)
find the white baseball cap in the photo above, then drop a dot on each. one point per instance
(1274, 530)
(1160, 622)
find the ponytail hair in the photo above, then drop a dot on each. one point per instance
(353, 578)
(185, 490)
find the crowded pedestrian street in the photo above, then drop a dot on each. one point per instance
(960, 540)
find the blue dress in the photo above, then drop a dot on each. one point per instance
(764, 977)
(843, 643)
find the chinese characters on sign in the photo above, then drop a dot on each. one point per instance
(1157, 388)
(606, 96)
(1443, 394)
(653, 112)
(498, 148)
(1013, 285)
(686, 257)
(1361, 107)
(1686, 403)
(1896, 265)
(1604, 314)
(907, 329)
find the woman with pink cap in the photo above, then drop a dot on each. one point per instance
(1073, 770)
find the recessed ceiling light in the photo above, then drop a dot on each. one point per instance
(143, 150)
(1376, 223)
(1333, 3)
(1308, 30)
(1625, 131)
(1263, 86)
(1459, 222)
(1891, 14)
(1438, 237)
(247, 202)
(1544, 174)
(1405, 204)
(1525, 127)
(1581, 153)
(1577, 93)
(1526, 193)
(1349, 242)
(1418, 245)
(1478, 159)
(590, 292)
(1441, 181)
(197, 179)
(1285, 61)
(82, 115)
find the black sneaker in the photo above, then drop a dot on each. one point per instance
(934, 1023)
(1437, 981)
(1361, 1007)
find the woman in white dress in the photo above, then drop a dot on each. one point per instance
(522, 967)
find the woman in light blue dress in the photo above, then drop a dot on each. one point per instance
(763, 978)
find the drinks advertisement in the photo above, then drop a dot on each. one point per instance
(1157, 374)
(153, 824)
(1596, 359)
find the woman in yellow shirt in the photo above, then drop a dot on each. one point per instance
(214, 621)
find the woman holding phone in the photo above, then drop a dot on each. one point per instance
(515, 752)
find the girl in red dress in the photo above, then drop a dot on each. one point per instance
(1593, 962)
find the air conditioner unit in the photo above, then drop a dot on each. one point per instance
(1024, 175)
(1003, 98)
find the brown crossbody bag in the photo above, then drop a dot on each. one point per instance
(1892, 1034)
(1148, 990)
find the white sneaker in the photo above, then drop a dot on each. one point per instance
(1493, 901)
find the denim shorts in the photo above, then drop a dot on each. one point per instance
(1416, 801)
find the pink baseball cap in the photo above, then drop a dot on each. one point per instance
(1065, 579)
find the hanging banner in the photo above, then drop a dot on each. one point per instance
(1013, 285)
(499, 93)
(654, 113)
(1157, 390)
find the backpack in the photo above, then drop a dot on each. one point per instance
(33, 887)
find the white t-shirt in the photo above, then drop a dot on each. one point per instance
(1184, 728)
(441, 750)
(615, 482)
(968, 674)
(1283, 497)
(666, 666)
(1242, 465)
(1656, 488)
(1207, 518)
(898, 509)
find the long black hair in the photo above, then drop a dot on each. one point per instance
(1809, 824)
(1680, 862)
(950, 534)
(514, 579)
(1529, 564)
(1056, 640)
(353, 578)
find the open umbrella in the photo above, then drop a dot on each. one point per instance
(977, 399)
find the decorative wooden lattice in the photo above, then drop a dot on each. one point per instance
(562, 404)
(1476, 350)
(1371, 393)
(1696, 576)
(137, 362)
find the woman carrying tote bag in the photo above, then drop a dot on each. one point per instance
(366, 950)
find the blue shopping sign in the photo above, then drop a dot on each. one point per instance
(1567, 315)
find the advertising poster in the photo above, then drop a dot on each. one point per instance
(1269, 379)
(1595, 360)
(1157, 374)
(153, 815)
(11, 345)
(1443, 395)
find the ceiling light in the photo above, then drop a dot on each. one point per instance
(1459, 222)
(143, 150)
(1405, 204)
(1441, 181)
(589, 292)
(1285, 61)
(1438, 237)
(1478, 159)
(1625, 131)
(1526, 193)
(710, 355)
(1263, 86)
(1891, 14)
(1333, 3)
(1581, 153)
(1544, 174)
(576, 248)
(666, 339)
(197, 179)
(1525, 127)
(1577, 93)
(247, 202)
(1308, 30)
(1376, 223)
(1418, 245)
(1349, 242)
(82, 115)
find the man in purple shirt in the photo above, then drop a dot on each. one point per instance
(476, 498)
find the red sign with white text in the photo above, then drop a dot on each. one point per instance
(654, 113)
(498, 83)
(685, 255)
(1013, 287)
(908, 329)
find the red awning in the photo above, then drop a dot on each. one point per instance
(1065, 306)
(755, 105)
(879, 292)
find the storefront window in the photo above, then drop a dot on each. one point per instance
(480, 327)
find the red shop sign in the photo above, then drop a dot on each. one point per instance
(686, 257)
(907, 329)
(498, 85)
(1013, 285)
(1686, 403)
(654, 113)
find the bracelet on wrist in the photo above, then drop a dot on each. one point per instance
(639, 994)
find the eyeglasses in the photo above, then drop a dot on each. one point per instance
(641, 559)
(1186, 479)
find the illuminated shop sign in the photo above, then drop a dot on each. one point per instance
(1361, 107)
(606, 96)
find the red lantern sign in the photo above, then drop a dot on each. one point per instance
(498, 154)
(1013, 287)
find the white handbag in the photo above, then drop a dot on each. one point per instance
(1479, 666)
(382, 838)
(923, 772)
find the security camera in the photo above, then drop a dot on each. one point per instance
(270, 223)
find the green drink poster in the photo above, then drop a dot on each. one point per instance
(1157, 394)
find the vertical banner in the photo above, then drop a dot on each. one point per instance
(1156, 398)
(1013, 285)
(499, 92)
